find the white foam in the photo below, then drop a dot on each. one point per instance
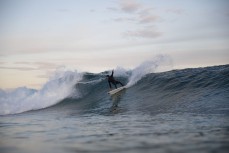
(92, 81)
(158, 64)
(60, 86)
(121, 72)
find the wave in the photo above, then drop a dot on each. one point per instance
(197, 91)
(149, 89)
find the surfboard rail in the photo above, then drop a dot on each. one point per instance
(112, 92)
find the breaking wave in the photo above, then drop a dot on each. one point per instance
(200, 90)
(22, 99)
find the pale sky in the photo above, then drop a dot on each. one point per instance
(38, 36)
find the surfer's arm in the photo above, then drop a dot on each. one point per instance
(112, 73)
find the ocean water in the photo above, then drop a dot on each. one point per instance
(161, 112)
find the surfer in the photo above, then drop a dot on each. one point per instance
(112, 80)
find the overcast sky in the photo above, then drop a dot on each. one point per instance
(38, 36)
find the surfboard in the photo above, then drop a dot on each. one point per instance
(112, 92)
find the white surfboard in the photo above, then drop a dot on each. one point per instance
(112, 92)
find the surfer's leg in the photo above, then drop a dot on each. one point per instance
(118, 82)
(114, 83)
(110, 84)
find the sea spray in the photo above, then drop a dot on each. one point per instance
(60, 86)
(157, 64)
(121, 72)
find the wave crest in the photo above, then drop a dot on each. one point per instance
(60, 86)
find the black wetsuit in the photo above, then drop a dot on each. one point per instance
(113, 81)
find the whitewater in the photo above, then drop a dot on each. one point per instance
(162, 110)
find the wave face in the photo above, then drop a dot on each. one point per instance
(197, 90)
